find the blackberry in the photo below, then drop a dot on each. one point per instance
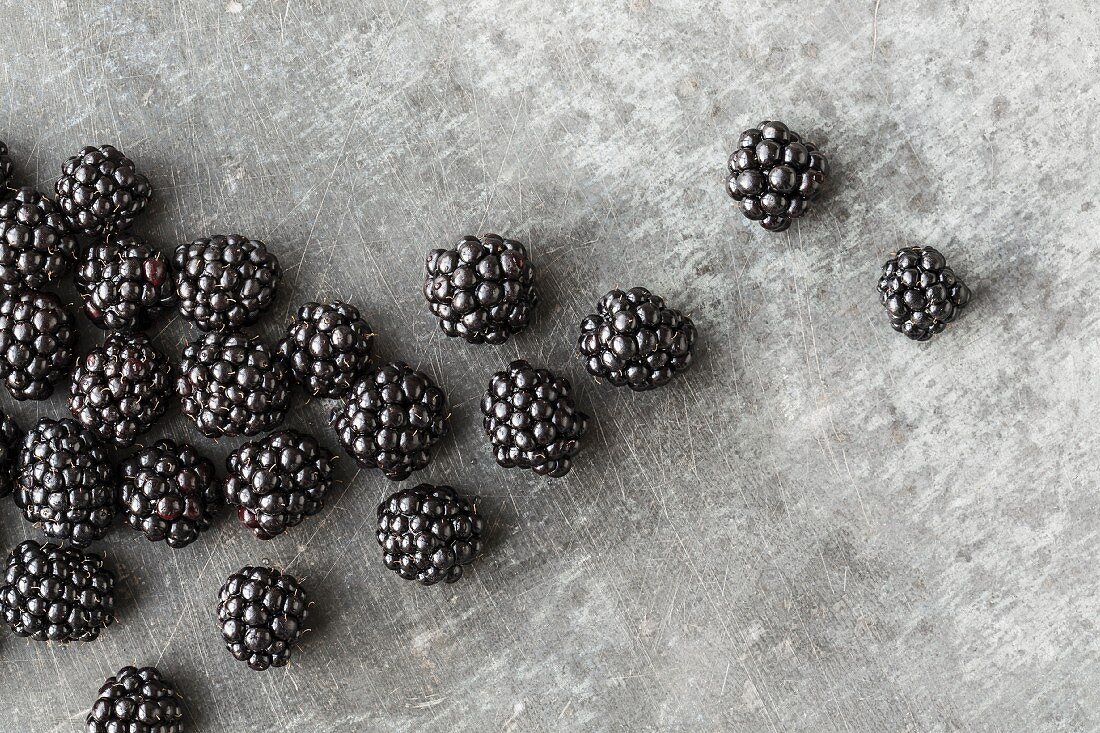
(36, 343)
(36, 245)
(100, 191)
(920, 292)
(231, 384)
(327, 347)
(6, 167)
(482, 290)
(168, 492)
(136, 701)
(65, 483)
(261, 613)
(11, 438)
(124, 283)
(54, 593)
(428, 533)
(774, 175)
(633, 340)
(391, 419)
(531, 421)
(225, 281)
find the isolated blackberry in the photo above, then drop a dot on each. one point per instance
(774, 175)
(124, 283)
(168, 492)
(54, 593)
(327, 347)
(36, 343)
(261, 613)
(634, 340)
(225, 281)
(231, 384)
(531, 421)
(11, 440)
(920, 292)
(6, 167)
(428, 533)
(36, 244)
(100, 191)
(136, 701)
(391, 419)
(482, 290)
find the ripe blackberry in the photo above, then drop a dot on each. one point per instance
(531, 421)
(428, 533)
(169, 493)
(391, 419)
(11, 439)
(36, 245)
(36, 343)
(54, 593)
(774, 175)
(920, 292)
(482, 290)
(225, 281)
(65, 483)
(124, 283)
(6, 167)
(100, 191)
(231, 384)
(136, 701)
(327, 347)
(634, 340)
(261, 613)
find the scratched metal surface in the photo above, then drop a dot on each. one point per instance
(823, 527)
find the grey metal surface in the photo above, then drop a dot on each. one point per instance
(823, 527)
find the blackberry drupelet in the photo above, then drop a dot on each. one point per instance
(774, 175)
(261, 613)
(136, 701)
(531, 421)
(6, 167)
(36, 244)
(168, 493)
(428, 533)
(391, 419)
(231, 384)
(124, 283)
(326, 347)
(482, 290)
(54, 593)
(100, 191)
(11, 440)
(920, 292)
(225, 281)
(634, 340)
(36, 343)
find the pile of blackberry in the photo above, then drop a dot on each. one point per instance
(261, 614)
(136, 701)
(36, 244)
(37, 340)
(428, 533)
(100, 190)
(225, 282)
(169, 493)
(921, 293)
(124, 283)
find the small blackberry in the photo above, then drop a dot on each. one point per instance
(6, 167)
(231, 384)
(482, 290)
(169, 493)
(327, 347)
(54, 593)
(391, 419)
(124, 283)
(100, 191)
(261, 613)
(36, 245)
(634, 340)
(428, 533)
(225, 281)
(920, 292)
(531, 421)
(136, 701)
(11, 439)
(36, 343)
(774, 175)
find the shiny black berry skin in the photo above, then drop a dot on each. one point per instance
(36, 245)
(428, 533)
(54, 593)
(483, 290)
(100, 190)
(531, 421)
(124, 283)
(920, 292)
(225, 282)
(774, 175)
(391, 419)
(6, 167)
(169, 493)
(11, 442)
(261, 614)
(326, 347)
(136, 701)
(37, 343)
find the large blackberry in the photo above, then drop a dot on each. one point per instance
(391, 419)
(6, 167)
(225, 281)
(124, 283)
(54, 593)
(920, 292)
(36, 245)
(100, 191)
(261, 613)
(11, 439)
(231, 384)
(327, 347)
(774, 175)
(169, 493)
(136, 701)
(36, 343)
(428, 533)
(482, 290)
(634, 340)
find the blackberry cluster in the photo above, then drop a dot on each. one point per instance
(124, 283)
(391, 419)
(36, 343)
(633, 340)
(11, 439)
(6, 167)
(36, 245)
(774, 175)
(54, 593)
(531, 421)
(101, 191)
(225, 281)
(921, 293)
(327, 347)
(261, 613)
(482, 290)
(136, 701)
(168, 493)
(428, 533)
